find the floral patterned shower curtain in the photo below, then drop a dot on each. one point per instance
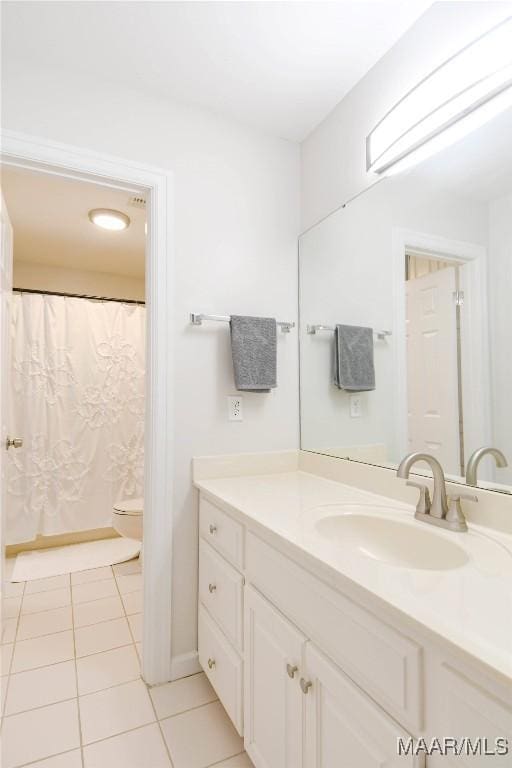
(77, 399)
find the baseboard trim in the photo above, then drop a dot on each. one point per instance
(184, 665)
(60, 540)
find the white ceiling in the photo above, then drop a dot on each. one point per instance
(278, 66)
(49, 215)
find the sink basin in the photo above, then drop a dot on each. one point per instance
(400, 544)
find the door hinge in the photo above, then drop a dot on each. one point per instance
(458, 297)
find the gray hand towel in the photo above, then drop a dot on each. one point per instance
(254, 350)
(353, 358)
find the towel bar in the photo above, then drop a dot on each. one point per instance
(197, 319)
(312, 329)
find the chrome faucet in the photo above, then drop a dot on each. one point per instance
(442, 510)
(474, 461)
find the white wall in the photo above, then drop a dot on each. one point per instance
(333, 156)
(44, 277)
(500, 291)
(236, 227)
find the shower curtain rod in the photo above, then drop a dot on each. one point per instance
(78, 296)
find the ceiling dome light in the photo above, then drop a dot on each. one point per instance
(107, 218)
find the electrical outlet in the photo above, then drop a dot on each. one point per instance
(355, 406)
(235, 408)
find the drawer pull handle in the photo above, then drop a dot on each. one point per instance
(213, 529)
(211, 663)
(305, 685)
(291, 669)
(212, 588)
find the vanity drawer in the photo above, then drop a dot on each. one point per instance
(221, 531)
(223, 667)
(384, 662)
(221, 591)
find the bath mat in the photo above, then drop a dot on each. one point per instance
(56, 561)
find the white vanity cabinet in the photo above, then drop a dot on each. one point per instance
(313, 678)
(274, 650)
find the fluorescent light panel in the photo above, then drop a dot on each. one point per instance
(450, 103)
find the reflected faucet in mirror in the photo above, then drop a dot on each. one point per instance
(443, 510)
(474, 461)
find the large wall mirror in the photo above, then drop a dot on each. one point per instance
(424, 260)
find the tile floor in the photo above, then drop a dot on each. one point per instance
(72, 695)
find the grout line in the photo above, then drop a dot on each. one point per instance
(76, 676)
(48, 757)
(11, 661)
(219, 762)
(191, 709)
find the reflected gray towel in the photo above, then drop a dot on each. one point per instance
(353, 358)
(254, 349)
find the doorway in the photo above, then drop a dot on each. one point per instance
(155, 185)
(435, 422)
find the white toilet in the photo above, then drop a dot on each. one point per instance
(127, 518)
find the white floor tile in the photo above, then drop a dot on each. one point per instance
(132, 582)
(102, 670)
(98, 610)
(5, 658)
(115, 710)
(9, 630)
(3, 695)
(201, 737)
(102, 637)
(131, 566)
(67, 760)
(238, 761)
(95, 590)
(143, 748)
(41, 651)
(11, 607)
(40, 733)
(132, 602)
(45, 623)
(13, 589)
(39, 687)
(138, 647)
(44, 585)
(135, 622)
(94, 574)
(45, 601)
(180, 695)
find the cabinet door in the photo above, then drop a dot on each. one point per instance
(272, 697)
(344, 728)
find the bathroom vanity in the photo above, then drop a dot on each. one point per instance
(332, 624)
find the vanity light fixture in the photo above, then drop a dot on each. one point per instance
(107, 218)
(462, 94)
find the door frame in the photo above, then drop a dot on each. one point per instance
(476, 384)
(73, 162)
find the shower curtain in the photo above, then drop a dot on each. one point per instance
(77, 399)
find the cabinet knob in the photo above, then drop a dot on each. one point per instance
(213, 529)
(305, 685)
(291, 669)
(211, 663)
(212, 588)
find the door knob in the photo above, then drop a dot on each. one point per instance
(13, 442)
(212, 588)
(211, 663)
(305, 685)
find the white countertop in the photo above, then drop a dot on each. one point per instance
(469, 606)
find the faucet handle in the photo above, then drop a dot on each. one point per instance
(424, 502)
(455, 515)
